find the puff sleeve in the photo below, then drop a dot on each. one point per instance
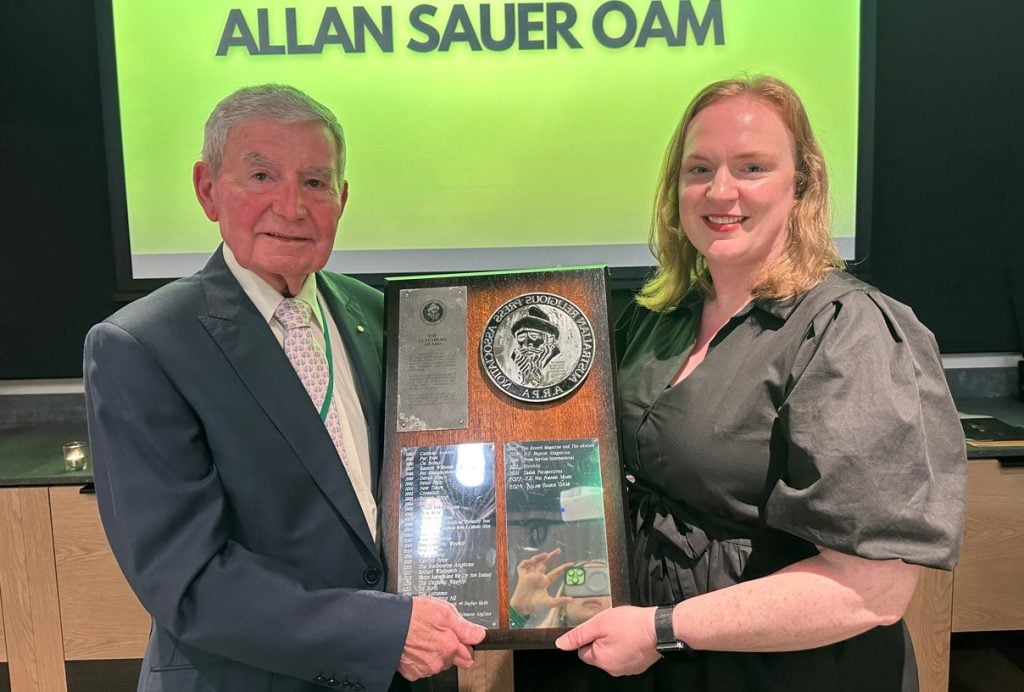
(868, 449)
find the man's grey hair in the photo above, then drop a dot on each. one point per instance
(278, 102)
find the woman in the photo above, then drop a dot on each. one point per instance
(795, 449)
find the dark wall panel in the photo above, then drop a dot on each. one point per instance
(948, 176)
(56, 262)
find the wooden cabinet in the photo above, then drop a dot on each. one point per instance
(99, 614)
(3, 644)
(29, 588)
(928, 617)
(63, 596)
(986, 590)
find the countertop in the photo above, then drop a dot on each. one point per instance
(1007, 410)
(31, 455)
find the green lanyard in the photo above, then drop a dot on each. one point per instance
(330, 364)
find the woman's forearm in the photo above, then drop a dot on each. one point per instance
(811, 603)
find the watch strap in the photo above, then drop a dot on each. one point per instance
(664, 632)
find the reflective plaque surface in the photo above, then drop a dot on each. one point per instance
(447, 536)
(557, 543)
(433, 392)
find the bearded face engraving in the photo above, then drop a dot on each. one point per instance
(536, 344)
(534, 350)
(537, 347)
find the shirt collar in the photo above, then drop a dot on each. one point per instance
(781, 308)
(264, 296)
(777, 311)
(785, 307)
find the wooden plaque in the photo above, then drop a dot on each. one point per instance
(501, 452)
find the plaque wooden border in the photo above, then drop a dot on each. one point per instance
(589, 411)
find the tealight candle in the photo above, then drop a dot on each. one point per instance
(75, 456)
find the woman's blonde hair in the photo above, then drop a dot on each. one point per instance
(809, 253)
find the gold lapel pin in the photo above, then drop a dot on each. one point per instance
(360, 328)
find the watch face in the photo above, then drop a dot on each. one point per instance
(668, 646)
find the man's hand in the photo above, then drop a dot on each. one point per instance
(438, 637)
(620, 641)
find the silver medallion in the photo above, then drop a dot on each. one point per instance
(537, 347)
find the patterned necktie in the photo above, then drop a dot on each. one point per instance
(309, 362)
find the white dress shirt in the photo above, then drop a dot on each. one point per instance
(350, 412)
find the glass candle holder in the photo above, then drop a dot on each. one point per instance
(76, 456)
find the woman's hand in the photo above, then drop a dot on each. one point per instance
(619, 641)
(533, 584)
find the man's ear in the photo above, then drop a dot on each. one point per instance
(202, 181)
(344, 196)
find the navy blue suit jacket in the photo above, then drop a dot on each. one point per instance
(224, 499)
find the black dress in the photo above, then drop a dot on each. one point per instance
(820, 420)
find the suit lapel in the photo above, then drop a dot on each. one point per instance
(362, 344)
(249, 345)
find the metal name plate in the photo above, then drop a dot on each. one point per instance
(447, 535)
(433, 390)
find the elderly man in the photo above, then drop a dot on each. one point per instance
(235, 416)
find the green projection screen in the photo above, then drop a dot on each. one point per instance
(481, 135)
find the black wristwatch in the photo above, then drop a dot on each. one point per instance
(665, 634)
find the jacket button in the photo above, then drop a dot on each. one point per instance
(332, 682)
(320, 679)
(371, 576)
